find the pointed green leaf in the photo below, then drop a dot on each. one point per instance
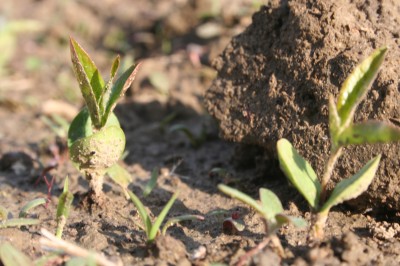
(357, 85)
(352, 187)
(299, 172)
(89, 68)
(118, 89)
(270, 203)
(89, 80)
(11, 256)
(234, 193)
(287, 219)
(369, 132)
(120, 176)
(142, 212)
(107, 90)
(161, 217)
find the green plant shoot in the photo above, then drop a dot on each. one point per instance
(95, 138)
(152, 230)
(63, 208)
(343, 132)
(269, 208)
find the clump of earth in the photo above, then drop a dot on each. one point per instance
(274, 80)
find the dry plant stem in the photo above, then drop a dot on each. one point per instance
(335, 154)
(52, 242)
(273, 239)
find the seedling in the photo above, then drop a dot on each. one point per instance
(342, 133)
(63, 208)
(95, 138)
(270, 209)
(152, 229)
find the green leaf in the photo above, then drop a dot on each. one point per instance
(118, 89)
(89, 79)
(234, 193)
(352, 187)
(369, 132)
(287, 219)
(16, 222)
(120, 176)
(81, 126)
(161, 217)
(11, 256)
(30, 205)
(357, 85)
(142, 212)
(107, 90)
(89, 68)
(299, 172)
(100, 150)
(152, 182)
(270, 203)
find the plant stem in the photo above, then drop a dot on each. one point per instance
(318, 222)
(335, 154)
(319, 219)
(95, 179)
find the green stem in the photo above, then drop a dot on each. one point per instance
(319, 221)
(60, 227)
(335, 154)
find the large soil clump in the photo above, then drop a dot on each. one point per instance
(274, 80)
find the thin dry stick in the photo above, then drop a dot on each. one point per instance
(273, 239)
(52, 242)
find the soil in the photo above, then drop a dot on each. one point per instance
(169, 37)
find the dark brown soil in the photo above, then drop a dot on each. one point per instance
(164, 36)
(274, 80)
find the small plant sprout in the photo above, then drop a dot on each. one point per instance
(151, 229)
(342, 133)
(270, 209)
(95, 138)
(63, 208)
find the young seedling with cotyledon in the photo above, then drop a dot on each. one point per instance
(95, 138)
(343, 132)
